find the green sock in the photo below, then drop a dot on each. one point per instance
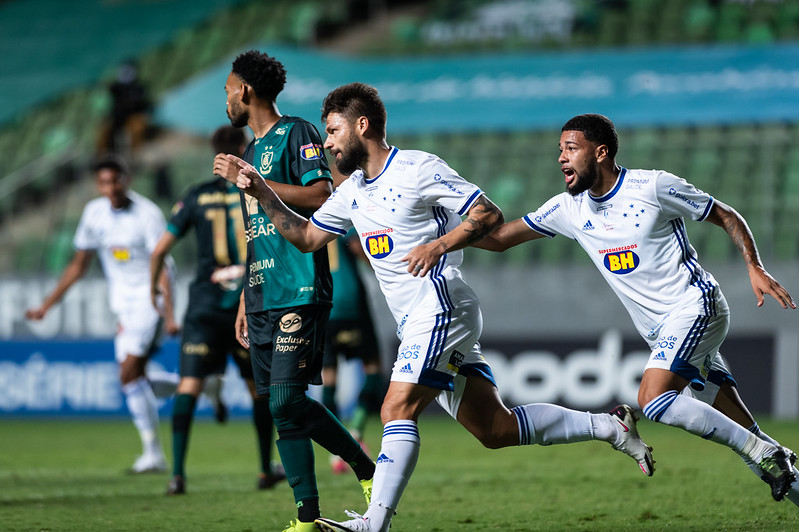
(329, 399)
(264, 428)
(358, 421)
(298, 461)
(182, 414)
(326, 430)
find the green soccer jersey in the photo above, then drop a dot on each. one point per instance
(212, 209)
(349, 293)
(278, 275)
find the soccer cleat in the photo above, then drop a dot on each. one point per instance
(358, 523)
(267, 481)
(630, 442)
(299, 526)
(176, 486)
(777, 471)
(149, 463)
(367, 490)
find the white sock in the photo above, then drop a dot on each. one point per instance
(163, 383)
(141, 404)
(793, 492)
(396, 461)
(705, 421)
(545, 424)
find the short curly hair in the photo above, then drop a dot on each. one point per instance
(596, 128)
(265, 74)
(354, 100)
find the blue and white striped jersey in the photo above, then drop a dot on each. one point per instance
(415, 199)
(635, 235)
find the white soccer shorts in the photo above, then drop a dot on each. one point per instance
(688, 345)
(440, 350)
(138, 330)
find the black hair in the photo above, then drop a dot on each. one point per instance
(355, 100)
(228, 139)
(111, 161)
(596, 128)
(266, 75)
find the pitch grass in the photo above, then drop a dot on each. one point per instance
(58, 475)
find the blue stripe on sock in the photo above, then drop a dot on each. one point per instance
(655, 408)
(524, 425)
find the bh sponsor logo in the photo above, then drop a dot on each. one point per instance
(379, 246)
(621, 262)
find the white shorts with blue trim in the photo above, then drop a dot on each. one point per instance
(440, 351)
(688, 345)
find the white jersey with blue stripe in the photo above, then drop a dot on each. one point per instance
(635, 235)
(414, 200)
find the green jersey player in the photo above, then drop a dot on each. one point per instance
(212, 210)
(286, 299)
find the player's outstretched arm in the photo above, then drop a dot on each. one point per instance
(736, 227)
(295, 228)
(482, 218)
(76, 269)
(309, 197)
(507, 235)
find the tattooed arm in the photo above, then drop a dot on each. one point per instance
(295, 228)
(762, 282)
(482, 218)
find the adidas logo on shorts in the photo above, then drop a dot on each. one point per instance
(406, 369)
(660, 356)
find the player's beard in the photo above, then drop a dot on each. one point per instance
(583, 181)
(237, 117)
(351, 156)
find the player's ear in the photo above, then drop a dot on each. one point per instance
(601, 153)
(246, 93)
(361, 125)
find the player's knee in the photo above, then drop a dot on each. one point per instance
(490, 439)
(285, 402)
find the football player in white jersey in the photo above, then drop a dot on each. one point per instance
(122, 228)
(631, 224)
(406, 207)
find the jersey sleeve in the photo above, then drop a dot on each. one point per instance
(182, 216)
(86, 238)
(550, 219)
(438, 184)
(307, 154)
(154, 227)
(333, 216)
(679, 198)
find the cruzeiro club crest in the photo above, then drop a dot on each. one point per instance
(266, 161)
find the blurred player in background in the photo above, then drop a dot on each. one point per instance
(122, 228)
(287, 294)
(351, 334)
(406, 206)
(631, 223)
(212, 208)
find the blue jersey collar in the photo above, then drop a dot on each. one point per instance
(613, 191)
(391, 155)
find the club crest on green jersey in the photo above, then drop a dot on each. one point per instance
(266, 162)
